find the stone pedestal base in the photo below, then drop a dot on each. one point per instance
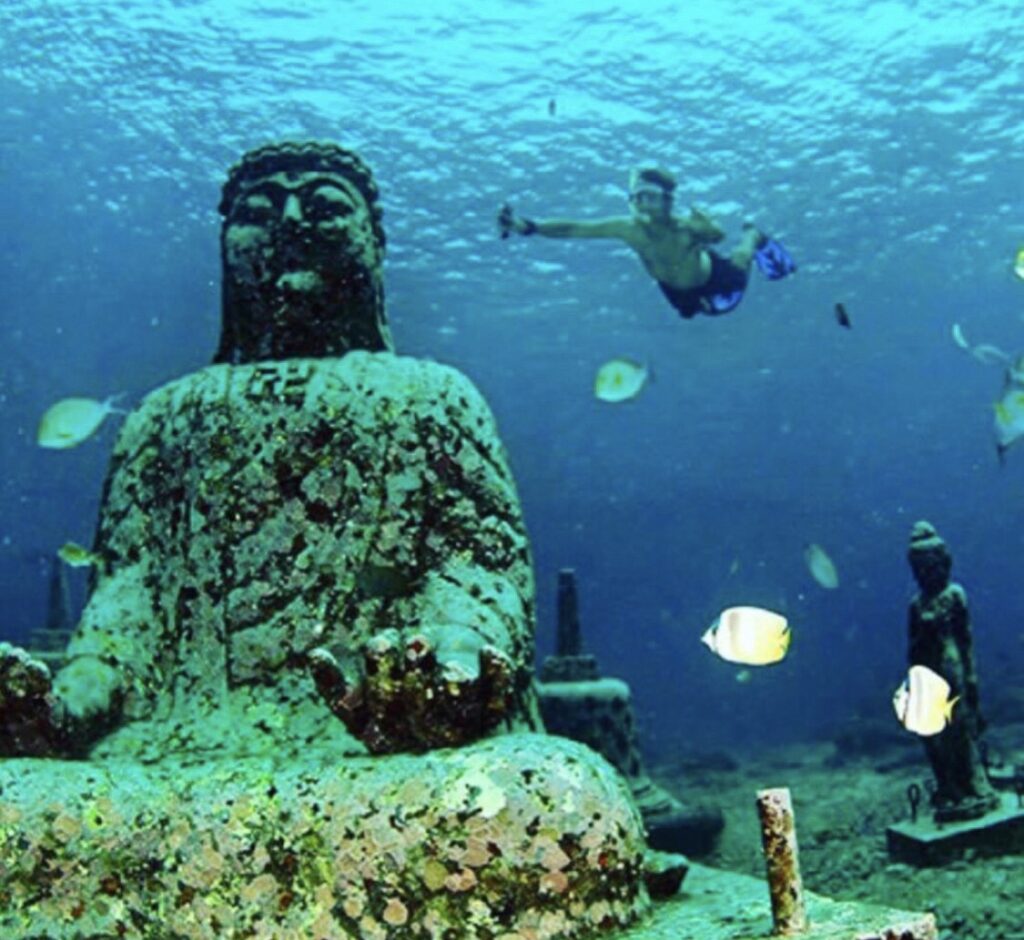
(926, 842)
(966, 810)
(1009, 777)
(521, 835)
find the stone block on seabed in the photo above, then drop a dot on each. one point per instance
(519, 836)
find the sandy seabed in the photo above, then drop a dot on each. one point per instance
(842, 807)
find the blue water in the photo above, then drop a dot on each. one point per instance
(881, 141)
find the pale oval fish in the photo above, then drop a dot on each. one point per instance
(72, 420)
(750, 636)
(821, 566)
(922, 703)
(75, 555)
(619, 380)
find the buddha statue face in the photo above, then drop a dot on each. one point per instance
(302, 250)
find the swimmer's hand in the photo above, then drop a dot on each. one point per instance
(509, 222)
(705, 228)
(505, 220)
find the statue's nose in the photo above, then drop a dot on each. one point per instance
(292, 211)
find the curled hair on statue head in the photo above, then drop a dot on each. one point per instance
(305, 157)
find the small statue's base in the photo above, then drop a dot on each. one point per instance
(579, 668)
(1006, 776)
(925, 842)
(966, 810)
(720, 905)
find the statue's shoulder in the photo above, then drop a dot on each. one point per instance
(364, 386)
(407, 381)
(371, 373)
(957, 594)
(408, 374)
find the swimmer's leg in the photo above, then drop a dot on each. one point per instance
(743, 254)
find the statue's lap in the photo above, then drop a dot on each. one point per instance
(516, 833)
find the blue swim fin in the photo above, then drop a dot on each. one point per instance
(773, 261)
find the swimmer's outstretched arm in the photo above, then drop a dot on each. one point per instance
(620, 227)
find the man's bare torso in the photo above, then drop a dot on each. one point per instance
(670, 252)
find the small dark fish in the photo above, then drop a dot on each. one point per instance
(551, 107)
(842, 317)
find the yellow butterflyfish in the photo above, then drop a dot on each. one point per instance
(922, 702)
(750, 636)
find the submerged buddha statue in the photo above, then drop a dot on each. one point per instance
(309, 552)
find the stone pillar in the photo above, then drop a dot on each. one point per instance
(570, 663)
(50, 642)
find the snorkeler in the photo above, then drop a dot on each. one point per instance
(674, 250)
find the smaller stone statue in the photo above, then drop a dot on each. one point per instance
(940, 638)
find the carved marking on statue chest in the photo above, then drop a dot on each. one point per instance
(281, 381)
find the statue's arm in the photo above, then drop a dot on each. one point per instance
(962, 636)
(110, 660)
(913, 631)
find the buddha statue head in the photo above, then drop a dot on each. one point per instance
(930, 558)
(302, 246)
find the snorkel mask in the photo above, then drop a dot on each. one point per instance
(647, 197)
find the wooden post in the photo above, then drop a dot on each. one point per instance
(778, 836)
